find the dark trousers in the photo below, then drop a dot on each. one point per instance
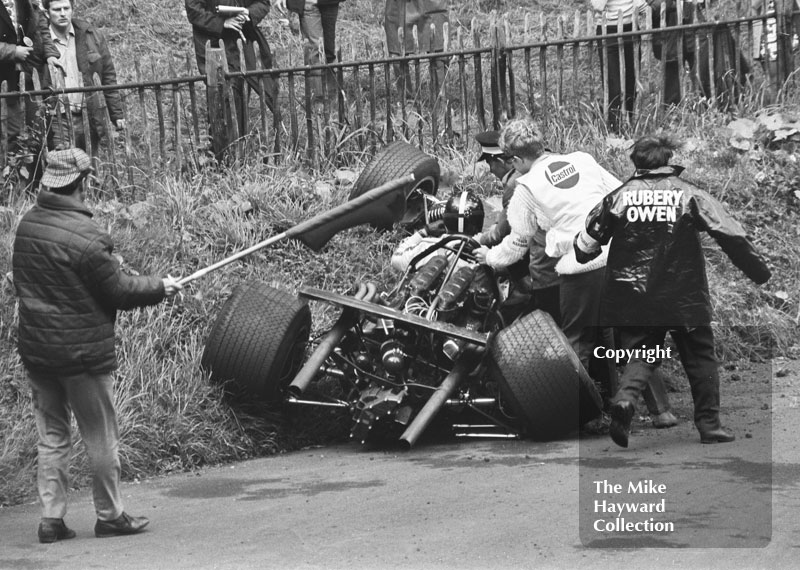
(696, 351)
(67, 130)
(547, 300)
(318, 24)
(614, 74)
(723, 49)
(579, 299)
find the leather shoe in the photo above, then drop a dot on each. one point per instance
(620, 429)
(51, 530)
(719, 435)
(665, 420)
(125, 524)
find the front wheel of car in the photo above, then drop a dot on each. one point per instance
(258, 341)
(541, 378)
(396, 160)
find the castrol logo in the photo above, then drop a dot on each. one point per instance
(562, 174)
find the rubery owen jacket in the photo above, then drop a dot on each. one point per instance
(655, 275)
(69, 287)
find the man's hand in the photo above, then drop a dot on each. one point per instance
(22, 52)
(171, 286)
(236, 22)
(54, 61)
(480, 254)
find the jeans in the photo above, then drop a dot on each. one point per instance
(90, 397)
(318, 25)
(696, 351)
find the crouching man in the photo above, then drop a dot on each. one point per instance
(461, 214)
(69, 287)
(656, 280)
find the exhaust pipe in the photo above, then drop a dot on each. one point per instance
(316, 361)
(435, 403)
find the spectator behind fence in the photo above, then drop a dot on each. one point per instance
(70, 287)
(84, 52)
(209, 26)
(401, 17)
(656, 279)
(727, 84)
(609, 57)
(25, 45)
(318, 25)
(765, 43)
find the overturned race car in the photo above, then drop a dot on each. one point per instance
(433, 345)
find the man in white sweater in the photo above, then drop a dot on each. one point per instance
(555, 192)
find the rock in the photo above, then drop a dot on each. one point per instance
(618, 143)
(344, 176)
(323, 190)
(234, 205)
(138, 213)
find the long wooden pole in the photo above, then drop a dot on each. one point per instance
(367, 197)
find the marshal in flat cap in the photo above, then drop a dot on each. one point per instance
(65, 166)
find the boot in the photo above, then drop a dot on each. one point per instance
(620, 429)
(718, 435)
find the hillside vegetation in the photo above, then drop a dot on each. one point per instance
(172, 419)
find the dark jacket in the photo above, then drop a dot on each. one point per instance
(70, 287)
(656, 274)
(207, 25)
(34, 25)
(91, 51)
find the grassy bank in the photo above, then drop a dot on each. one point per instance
(172, 419)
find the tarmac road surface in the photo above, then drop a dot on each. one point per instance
(467, 504)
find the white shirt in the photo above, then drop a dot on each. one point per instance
(69, 61)
(415, 244)
(612, 8)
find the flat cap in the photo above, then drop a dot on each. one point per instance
(65, 166)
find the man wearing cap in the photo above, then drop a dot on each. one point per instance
(537, 274)
(70, 287)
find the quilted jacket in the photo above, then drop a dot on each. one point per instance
(655, 275)
(69, 287)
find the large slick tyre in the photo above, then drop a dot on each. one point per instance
(258, 341)
(541, 377)
(397, 160)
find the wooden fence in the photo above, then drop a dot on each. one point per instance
(544, 67)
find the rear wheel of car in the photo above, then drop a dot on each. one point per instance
(541, 377)
(397, 160)
(258, 340)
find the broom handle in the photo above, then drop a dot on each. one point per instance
(291, 232)
(222, 263)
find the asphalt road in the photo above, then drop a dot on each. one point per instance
(466, 504)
